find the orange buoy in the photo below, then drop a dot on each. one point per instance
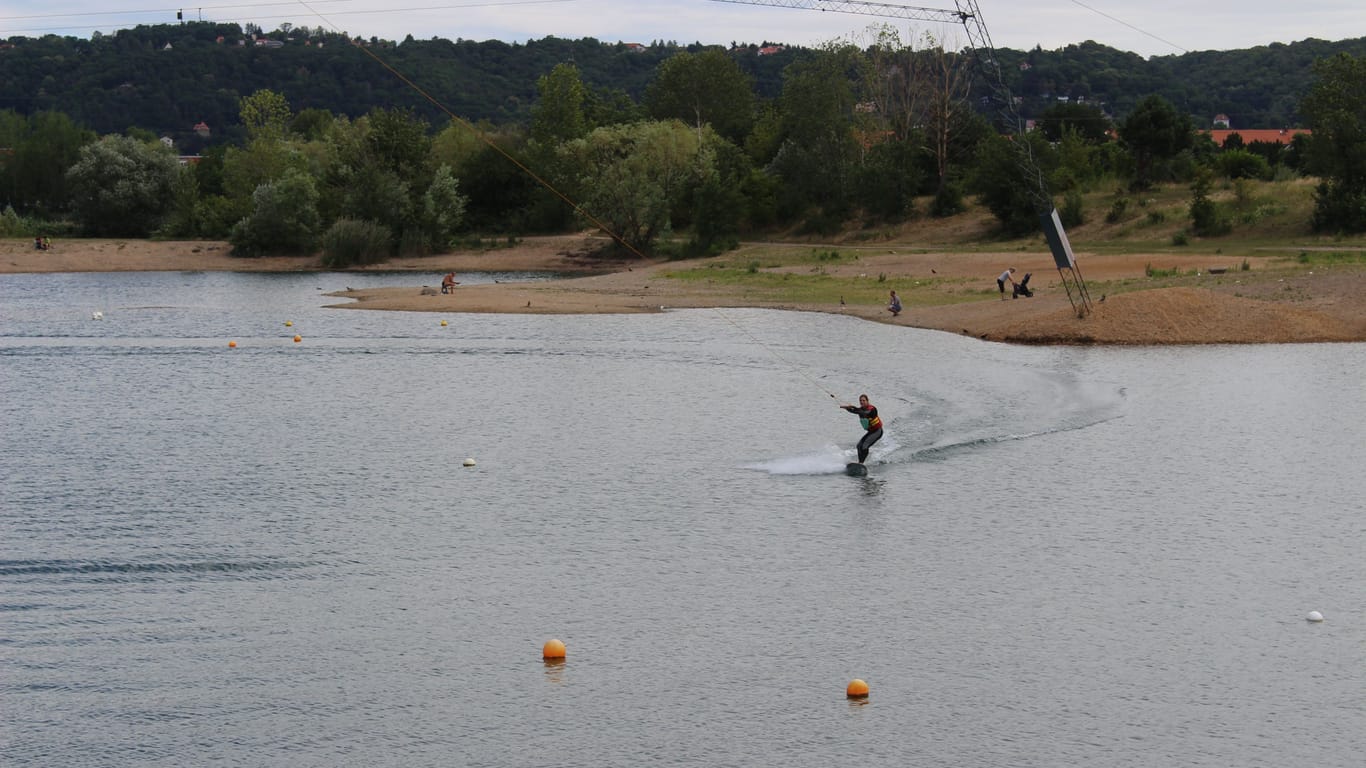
(553, 649)
(232, 345)
(857, 689)
(298, 339)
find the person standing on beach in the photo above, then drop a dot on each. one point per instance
(872, 424)
(1006, 277)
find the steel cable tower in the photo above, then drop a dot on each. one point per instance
(966, 12)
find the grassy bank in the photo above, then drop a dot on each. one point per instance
(1269, 235)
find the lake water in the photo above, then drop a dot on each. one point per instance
(273, 555)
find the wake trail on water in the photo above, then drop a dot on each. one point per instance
(827, 460)
(944, 437)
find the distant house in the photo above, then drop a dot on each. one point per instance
(189, 159)
(166, 47)
(1220, 121)
(1269, 136)
(202, 128)
(167, 142)
(769, 50)
(267, 43)
(635, 47)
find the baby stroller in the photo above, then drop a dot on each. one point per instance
(1022, 288)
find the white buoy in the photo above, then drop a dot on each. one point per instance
(1314, 616)
(469, 462)
(97, 315)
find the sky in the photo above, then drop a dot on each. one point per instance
(1152, 28)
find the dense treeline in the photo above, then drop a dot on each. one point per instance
(694, 153)
(167, 78)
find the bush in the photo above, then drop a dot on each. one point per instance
(11, 225)
(1117, 210)
(349, 242)
(948, 201)
(284, 218)
(1207, 218)
(1242, 164)
(1339, 207)
(1073, 209)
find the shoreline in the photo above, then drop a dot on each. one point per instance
(1272, 302)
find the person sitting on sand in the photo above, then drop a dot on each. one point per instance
(448, 283)
(894, 305)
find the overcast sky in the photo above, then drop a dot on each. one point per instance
(1152, 28)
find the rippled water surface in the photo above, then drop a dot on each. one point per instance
(273, 555)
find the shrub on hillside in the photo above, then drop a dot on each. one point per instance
(948, 201)
(1073, 213)
(1242, 164)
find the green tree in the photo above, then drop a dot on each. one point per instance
(443, 208)
(559, 112)
(283, 220)
(265, 114)
(705, 88)
(816, 160)
(121, 187)
(381, 169)
(610, 106)
(634, 175)
(921, 96)
(312, 124)
(45, 145)
(1154, 132)
(182, 217)
(261, 161)
(1004, 185)
(1088, 122)
(1336, 111)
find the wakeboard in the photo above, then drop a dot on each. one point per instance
(854, 469)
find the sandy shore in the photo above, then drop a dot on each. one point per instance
(1274, 301)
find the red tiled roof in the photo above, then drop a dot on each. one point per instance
(1268, 135)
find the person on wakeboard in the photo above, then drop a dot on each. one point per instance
(867, 416)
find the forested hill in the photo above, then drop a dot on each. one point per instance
(168, 78)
